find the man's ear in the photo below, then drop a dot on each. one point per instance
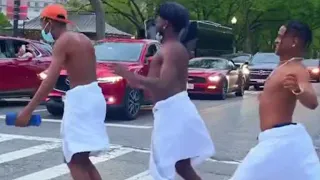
(296, 41)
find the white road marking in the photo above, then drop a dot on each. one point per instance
(40, 110)
(56, 140)
(35, 138)
(141, 176)
(62, 169)
(5, 138)
(14, 155)
(106, 124)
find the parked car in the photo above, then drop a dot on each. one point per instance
(120, 97)
(313, 66)
(19, 76)
(241, 60)
(260, 67)
(214, 76)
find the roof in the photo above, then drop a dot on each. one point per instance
(84, 22)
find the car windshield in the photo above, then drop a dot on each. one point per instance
(118, 51)
(311, 62)
(262, 58)
(207, 63)
(44, 46)
(240, 59)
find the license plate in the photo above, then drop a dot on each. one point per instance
(190, 86)
(259, 80)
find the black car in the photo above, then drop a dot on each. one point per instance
(241, 60)
(313, 66)
(260, 67)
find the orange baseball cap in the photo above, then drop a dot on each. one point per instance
(55, 12)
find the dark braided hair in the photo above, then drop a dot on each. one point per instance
(301, 30)
(176, 14)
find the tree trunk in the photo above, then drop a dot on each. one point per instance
(100, 19)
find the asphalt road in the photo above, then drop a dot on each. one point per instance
(34, 153)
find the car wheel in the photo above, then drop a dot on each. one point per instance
(55, 111)
(132, 104)
(246, 87)
(256, 87)
(240, 91)
(224, 91)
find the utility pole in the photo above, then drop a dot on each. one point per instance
(16, 10)
(100, 19)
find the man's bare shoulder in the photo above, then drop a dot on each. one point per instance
(297, 68)
(175, 49)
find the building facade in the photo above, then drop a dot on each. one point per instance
(34, 6)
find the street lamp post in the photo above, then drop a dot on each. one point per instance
(234, 22)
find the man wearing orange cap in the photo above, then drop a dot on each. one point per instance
(83, 131)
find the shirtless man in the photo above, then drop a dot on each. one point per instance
(285, 150)
(179, 135)
(82, 129)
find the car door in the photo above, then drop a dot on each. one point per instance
(233, 74)
(26, 67)
(9, 76)
(150, 51)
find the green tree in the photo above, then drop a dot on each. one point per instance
(4, 22)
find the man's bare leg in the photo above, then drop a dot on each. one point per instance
(93, 172)
(186, 171)
(81, 167)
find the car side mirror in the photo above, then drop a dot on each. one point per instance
(147, 60)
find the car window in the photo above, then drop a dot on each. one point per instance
(118, 51)
(261, 58)
(152, 49)
(311, 62)
(46, 49)
(4, 53)
(15, 45)
(205, 63)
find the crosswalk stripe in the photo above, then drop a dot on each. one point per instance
(11, 156)
(141, 176)
(5, 138)
(62, 169)
(106, 124)
(35, 138)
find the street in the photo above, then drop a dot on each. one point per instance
(34, 153)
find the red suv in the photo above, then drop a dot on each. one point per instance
(18, 76)
(120, 98)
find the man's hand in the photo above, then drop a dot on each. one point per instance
(23, 118)
(290, 82)
(123, 71)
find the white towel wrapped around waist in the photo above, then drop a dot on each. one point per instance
(179, 133)
(82, 127)
(283, 153)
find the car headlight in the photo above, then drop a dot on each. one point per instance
(245, 71)
(214, 78)
(113, 79)
(42, 75)
(315, 70)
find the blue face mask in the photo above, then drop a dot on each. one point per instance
(47, 36)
